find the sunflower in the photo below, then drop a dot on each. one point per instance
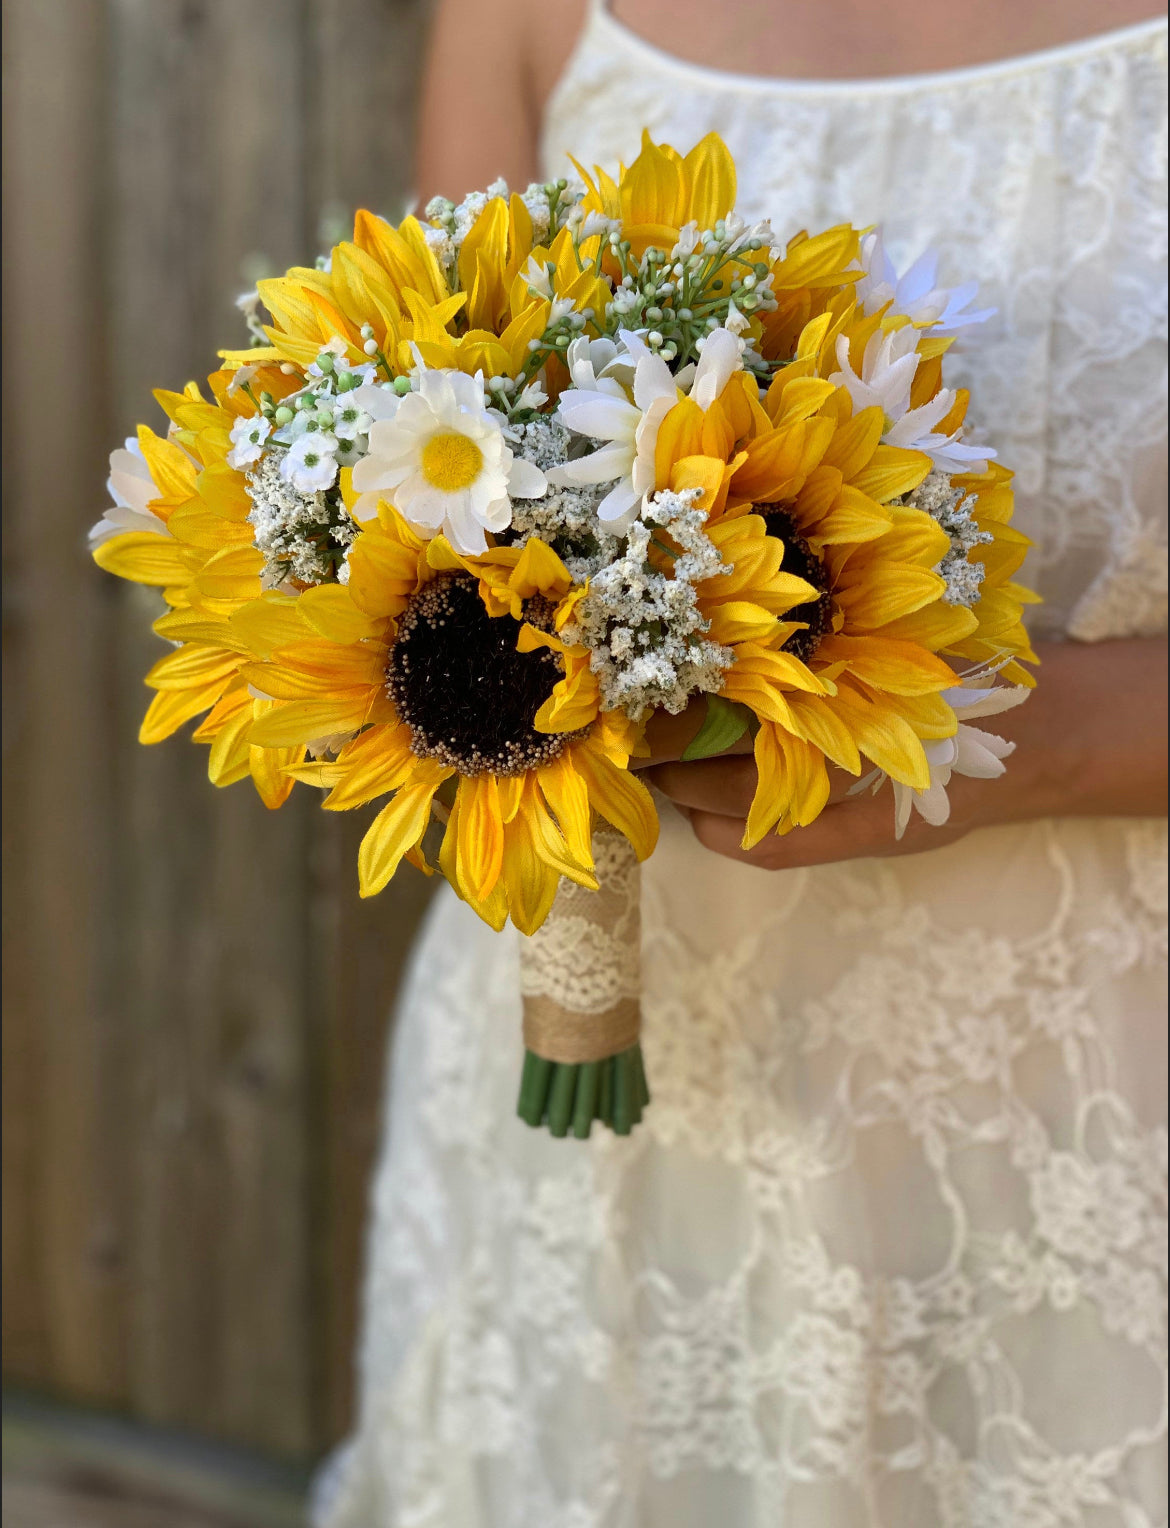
(387, 297)
(456, 695)
(802, 499)
(663, 190)
(179, 524)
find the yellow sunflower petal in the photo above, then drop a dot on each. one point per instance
(530, 883)
(885, 738)
(271, 775)
(398, 827)
(144, 558)
(773, 791)
(330, 610)
(568, 796)
(742, 621)
(620, 798)
(191, 667)
(903, 668)
(302, 721)
(171, 708)
(480, 850)
(710, 172)
(376, 761)
(815, 720)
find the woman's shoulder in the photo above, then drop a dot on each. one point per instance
(489, 72)
(552, 35)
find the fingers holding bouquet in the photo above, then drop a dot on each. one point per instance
(716, 795)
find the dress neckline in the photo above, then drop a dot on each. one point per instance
(1022, 63)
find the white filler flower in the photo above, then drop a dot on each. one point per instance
(249, 433)
(441, 459)
(309, 463)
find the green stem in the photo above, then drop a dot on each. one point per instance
(567, 1096)
(585, 1106)
(534, 1083)
(623, 1094)
(560, 1099)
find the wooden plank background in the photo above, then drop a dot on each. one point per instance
(195, 999)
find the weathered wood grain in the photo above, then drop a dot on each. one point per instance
(196, 1000)
(218, 980)
(70, 1148)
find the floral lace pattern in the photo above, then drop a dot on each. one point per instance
(584, 957)
(889, 1247)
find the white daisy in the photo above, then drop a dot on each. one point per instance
(598, 405)
(309, 464)
(249, 433)
(628, 430)
(132, 488)
(915, 293)
(439, 456)
(887, 373)
(971, 751)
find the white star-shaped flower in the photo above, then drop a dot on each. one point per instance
(249, 433)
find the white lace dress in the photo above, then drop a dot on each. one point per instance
(890, 1245)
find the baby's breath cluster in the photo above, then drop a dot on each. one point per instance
(291, 452)
(952, 507)
(643, 626)
(314, 431)
(565, 518)
(303, 536)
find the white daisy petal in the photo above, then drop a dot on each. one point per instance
(599, 415)
(653, 380)
(722, 356)
(526, 481)
(619, 506)
(378, 402)
(598, 467)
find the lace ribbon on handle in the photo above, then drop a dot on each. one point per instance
(580, 973)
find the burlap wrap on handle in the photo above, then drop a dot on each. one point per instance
(580, 973)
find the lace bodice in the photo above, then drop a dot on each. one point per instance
(1045, 179)
(888, 1249)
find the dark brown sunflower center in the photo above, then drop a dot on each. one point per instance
(457, 681)
(800, 559)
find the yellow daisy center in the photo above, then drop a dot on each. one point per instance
(451, 461)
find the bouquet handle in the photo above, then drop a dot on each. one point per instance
(580, 976)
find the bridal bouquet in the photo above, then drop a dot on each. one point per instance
(489, 491)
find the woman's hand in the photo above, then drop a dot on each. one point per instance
(1090, 741)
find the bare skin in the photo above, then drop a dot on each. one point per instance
(1092, 740)
(492, 68)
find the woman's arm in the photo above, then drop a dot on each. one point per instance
(1090, 742)
(488, 72)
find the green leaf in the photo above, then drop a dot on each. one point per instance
(725, 723)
